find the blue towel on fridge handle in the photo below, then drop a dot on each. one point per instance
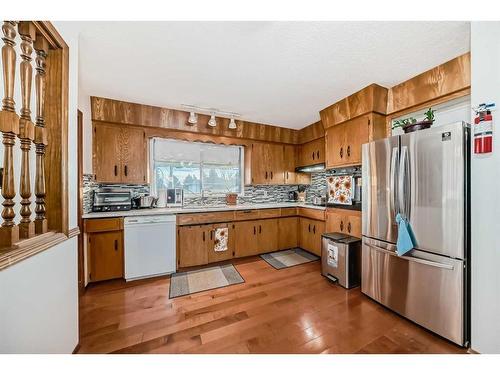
(406, 239)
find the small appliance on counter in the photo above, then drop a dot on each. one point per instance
(175, 197)
(112, 200)
(145, 201)
(293, 196)
(319, 200)
(301, 194)
(341, 259)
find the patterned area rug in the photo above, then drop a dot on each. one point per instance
(289, 258)
(184, 283)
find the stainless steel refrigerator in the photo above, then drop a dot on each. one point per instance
(424, 176)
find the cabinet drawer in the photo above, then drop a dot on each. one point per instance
(270, 213)
(246, 215)
(288, 212)
(103, 225)
(312, 213)
(205, 218)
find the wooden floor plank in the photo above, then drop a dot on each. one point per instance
(292, 310)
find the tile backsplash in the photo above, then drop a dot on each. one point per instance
(253, 194)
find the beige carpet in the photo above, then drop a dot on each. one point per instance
(184, 283)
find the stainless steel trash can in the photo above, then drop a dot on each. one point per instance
(341, 259)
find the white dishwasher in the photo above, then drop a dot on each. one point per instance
(149, 246)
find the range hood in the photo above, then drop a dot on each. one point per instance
(320, 167)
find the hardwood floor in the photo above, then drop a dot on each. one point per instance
(293, 310)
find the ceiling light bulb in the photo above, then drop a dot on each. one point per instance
(212, 121)
(193, 118)
(232, 124)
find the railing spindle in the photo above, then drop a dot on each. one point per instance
(27, 32)
(9, 126)
(41, 48)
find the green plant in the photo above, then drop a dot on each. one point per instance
(429, 116)
(404, 122)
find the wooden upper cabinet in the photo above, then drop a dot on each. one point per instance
(344, 141)
(106, 156)
(119, 154)
(277, 163)
(290, 161)
(268, 165)
(334, 146)
(133, 151)
(312, 152)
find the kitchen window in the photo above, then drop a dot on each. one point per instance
(196, 167)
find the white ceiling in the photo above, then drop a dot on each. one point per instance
(280, 73)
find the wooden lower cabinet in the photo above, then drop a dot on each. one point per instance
(343, 221)
(218, 256)
(193, 245)
(105, 252)
(246, 243)
(256, 237)
(287, 232)
(310, 232)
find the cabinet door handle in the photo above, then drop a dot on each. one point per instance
(203, 236)
(317, 154)
(314, 229)
(116, 245)
(254, 231)
(348, 150)
(287, 175)
(349, 227)
(341, 152)
(271, 175)
(211, 238)
(266, 175)
(309, 227)
(260, 229)
(341, 225)
(126, 171)
(116, 170)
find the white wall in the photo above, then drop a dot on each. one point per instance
(39, 303)
(485, 186)
(39, 296)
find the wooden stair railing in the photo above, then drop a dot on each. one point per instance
(41, 48)
(27, 32)
(9, 126)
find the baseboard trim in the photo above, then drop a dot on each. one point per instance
(77, 348)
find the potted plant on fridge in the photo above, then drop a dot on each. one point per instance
(411, 124)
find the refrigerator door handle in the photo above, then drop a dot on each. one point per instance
(393, 187)
(412, 259)
(403, 184)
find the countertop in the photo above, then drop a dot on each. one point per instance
(197, 209)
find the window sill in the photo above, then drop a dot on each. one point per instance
(27, 248)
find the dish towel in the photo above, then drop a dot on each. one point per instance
(406, 240)
(221, 239)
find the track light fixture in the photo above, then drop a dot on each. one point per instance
(212, 122)
(193, 118)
